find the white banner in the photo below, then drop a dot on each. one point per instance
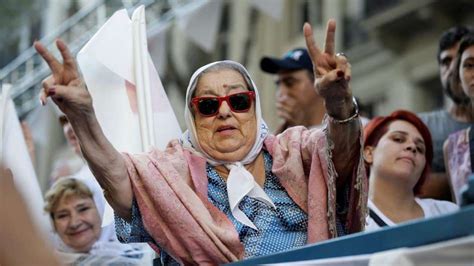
(16, 157)
(109, 62)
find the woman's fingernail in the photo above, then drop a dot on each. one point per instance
(51, 92)
(340, 73)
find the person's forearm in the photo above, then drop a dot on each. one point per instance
(105, 162)
(345, 136)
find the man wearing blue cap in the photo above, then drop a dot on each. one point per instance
(297, 102)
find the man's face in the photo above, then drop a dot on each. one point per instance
(446, 65)
(295, 95)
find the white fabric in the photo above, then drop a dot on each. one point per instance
(240, 178)
(430, 207)
(240, 182)
(16, 157)
(109, 72)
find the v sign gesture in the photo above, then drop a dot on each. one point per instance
(332, 76)
(65, 85)
(68, 91)
(332, 73)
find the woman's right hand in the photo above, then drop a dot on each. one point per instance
(68, 91)
(332, 73)
(65, 85)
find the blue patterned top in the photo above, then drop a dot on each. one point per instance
(280, 229)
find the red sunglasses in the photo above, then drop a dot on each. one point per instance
(238, 102)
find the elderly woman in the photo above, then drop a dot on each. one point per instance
(76, 219)
(229, 190)
(398, 152)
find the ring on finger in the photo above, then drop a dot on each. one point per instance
(342, 54)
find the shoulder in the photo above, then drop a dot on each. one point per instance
(173, 149)
(374, 214)
(437, 115)
(298, 133)
(295, 138)
(433, 207)
(174, 154)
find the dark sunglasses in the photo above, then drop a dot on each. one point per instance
(238, 103)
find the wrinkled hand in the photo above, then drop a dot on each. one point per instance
(332, 73)
(65, 86)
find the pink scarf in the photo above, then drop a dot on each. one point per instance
(171, 191)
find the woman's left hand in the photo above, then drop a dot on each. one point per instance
(332, 73)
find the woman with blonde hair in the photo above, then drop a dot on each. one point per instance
(77, 222)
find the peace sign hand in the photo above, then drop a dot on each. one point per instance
(332, 73)
(65, 86)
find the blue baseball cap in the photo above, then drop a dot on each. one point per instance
(293, 60)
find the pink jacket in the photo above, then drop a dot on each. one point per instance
(170, 188)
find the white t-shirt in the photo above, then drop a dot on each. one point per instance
(430, 207)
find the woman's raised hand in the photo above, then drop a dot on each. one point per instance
(65, 85)
(332, 73)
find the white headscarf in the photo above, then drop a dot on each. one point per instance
(240, 181)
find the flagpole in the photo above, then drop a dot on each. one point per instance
(5, 95)
(141, 82)
(144, 59)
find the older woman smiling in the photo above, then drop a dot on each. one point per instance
(76, 211)
(228, 189)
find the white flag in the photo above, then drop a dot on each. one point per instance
(114, 65)
(15, 156)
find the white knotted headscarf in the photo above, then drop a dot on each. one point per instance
(240, 182)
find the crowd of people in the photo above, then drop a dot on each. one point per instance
(229, 189)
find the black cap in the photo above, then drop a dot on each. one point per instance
(293, 60)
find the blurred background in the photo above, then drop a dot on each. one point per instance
(391, 44)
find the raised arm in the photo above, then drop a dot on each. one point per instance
(332, 75)
(68, 91)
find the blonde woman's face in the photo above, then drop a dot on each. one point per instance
(77, 222)
(228, 135)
